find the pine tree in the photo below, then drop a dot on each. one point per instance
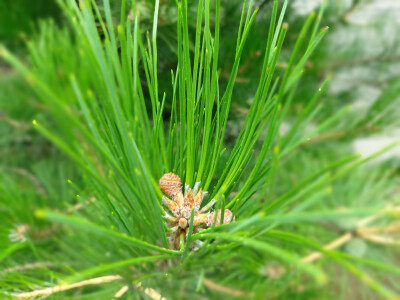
(231, 101)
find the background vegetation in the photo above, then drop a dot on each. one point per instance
(79, 199)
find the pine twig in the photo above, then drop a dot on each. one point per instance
(338, 134)
(361, 231)
(121, 292)
(224, 289)
(14, 123)
(23, 172)
(330, 246)
(61, 288)
(152, 293)
(314, 256)
(382, 240)
(28, 266)
(79, 205)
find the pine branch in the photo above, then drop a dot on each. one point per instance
(62, 288)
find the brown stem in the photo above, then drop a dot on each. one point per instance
(61, 288)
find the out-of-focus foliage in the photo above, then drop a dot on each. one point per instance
(18, 18)
(318, 192)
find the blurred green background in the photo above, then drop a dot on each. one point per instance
(360, 55)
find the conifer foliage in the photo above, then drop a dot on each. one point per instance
(94, 221)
